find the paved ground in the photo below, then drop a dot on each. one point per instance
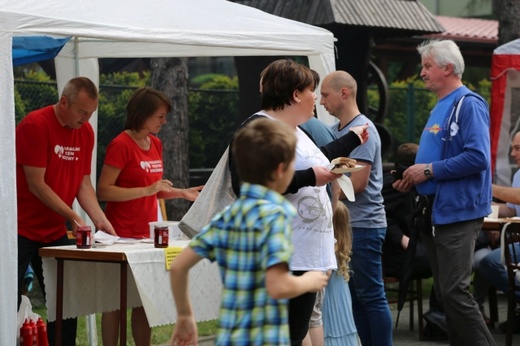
(403, 336)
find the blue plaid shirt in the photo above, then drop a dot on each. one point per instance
(245, 239)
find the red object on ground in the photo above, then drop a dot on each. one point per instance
(42, 333)
(34, 337)
(26, 334)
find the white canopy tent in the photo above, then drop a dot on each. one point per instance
(130, 28)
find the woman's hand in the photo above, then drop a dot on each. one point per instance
(192, 193)
(324, 175)
(362, 132)
(162, 185)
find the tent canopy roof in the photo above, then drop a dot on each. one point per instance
(241, 31)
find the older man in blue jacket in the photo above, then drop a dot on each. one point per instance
(452, 173)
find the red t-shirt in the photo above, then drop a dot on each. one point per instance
(139, 168)
(66, 155)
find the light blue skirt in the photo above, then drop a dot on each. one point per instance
(339, 328)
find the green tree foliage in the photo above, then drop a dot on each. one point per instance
(213, 109)
(35, 90)
(114, 92)
(213, 114)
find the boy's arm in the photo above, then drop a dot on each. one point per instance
(281, 284)
(185, 331)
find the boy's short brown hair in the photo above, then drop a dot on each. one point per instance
(260, 146)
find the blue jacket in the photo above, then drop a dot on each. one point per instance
(463, 175)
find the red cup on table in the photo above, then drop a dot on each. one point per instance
(83, 237)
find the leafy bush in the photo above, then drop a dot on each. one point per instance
(213, 118)
(213, 109)
(114, 92)
(36, 91)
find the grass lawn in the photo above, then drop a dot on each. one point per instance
(160, 335)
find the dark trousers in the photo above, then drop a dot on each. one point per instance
(300, 311)
(28, 254)
(451, 248)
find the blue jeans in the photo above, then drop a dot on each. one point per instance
(369, 305)
(493, 271)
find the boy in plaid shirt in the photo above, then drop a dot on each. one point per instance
(251, 242)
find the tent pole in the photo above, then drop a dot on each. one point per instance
(76, 60)
(91, 319)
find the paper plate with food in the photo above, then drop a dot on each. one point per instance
(344, 165)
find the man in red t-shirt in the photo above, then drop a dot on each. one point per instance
(53, 161)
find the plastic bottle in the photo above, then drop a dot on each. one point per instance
(42, 333)
(26, 334)
(34, 338)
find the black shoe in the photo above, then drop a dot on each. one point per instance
(437, 319)
(516, 324)
(434, 333)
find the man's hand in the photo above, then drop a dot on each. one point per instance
(106, 226)
(413, 175)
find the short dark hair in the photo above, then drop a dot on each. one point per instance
(280, 79)
(260, 146)
(78, 84)
(405, 154)
(143, 103)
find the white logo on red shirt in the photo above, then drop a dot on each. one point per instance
(67, 153)
(152, 166)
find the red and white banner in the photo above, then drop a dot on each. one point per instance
(505, 108)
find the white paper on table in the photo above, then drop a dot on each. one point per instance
(346, 186)
(127, 240)
(105, 238)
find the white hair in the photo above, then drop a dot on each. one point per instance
(443, 52)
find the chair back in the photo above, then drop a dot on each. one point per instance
(510, 244)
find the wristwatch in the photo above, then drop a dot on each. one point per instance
(427, 171)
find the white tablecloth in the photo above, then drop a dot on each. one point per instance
(91, 287)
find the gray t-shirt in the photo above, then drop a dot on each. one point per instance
(367, 211)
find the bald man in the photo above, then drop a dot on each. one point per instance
(367, 213)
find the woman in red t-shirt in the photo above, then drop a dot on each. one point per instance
(131, 181)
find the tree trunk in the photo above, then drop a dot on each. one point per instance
(508, 15)
(170, 75)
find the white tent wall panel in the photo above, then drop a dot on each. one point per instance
(8, 243)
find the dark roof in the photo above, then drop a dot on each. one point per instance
(400, 15)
